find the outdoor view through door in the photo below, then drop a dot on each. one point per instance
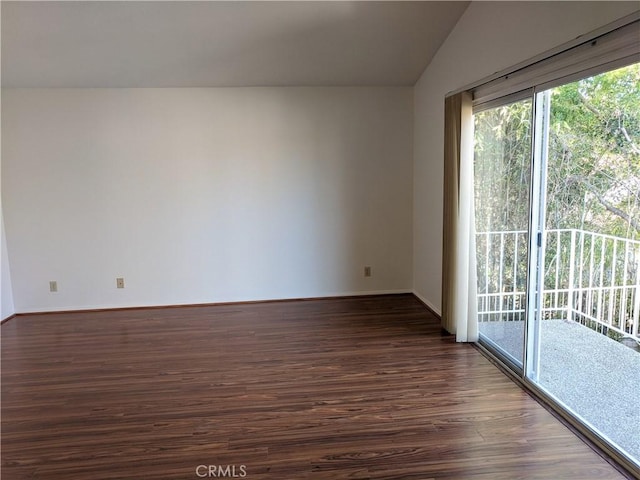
(557, 216)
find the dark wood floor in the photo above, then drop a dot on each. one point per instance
(362, 388)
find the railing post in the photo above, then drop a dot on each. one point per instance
(612, 288)
(636, 304)
(572, 261)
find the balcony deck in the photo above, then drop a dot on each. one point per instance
(595, 376)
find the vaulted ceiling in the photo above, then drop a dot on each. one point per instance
(234, 43)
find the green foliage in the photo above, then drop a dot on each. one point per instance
(502, 177)
(502, 167)
(592, 184)
(593, 174)
(594, 154)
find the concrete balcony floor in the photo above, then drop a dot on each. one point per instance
(594, 376)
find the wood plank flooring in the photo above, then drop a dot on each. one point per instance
(356, 388)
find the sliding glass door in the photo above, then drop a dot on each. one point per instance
(557, 212)
(588, 356)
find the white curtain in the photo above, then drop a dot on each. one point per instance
(459, 302)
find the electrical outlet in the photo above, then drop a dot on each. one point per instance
(53, 286)
(120, 282)
(367, 271)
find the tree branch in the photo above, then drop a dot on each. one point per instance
(611, 208)
(634, 147)
(596, 112)
(587, 104)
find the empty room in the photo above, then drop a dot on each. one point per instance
(320, 240)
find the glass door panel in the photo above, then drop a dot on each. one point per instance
(502, 173)
(586, 326)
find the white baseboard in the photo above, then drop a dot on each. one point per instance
(212, 302)
(428, 303)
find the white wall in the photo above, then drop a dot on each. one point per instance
(489, 37)
(205, 195)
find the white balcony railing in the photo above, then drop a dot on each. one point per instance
(590, 278)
